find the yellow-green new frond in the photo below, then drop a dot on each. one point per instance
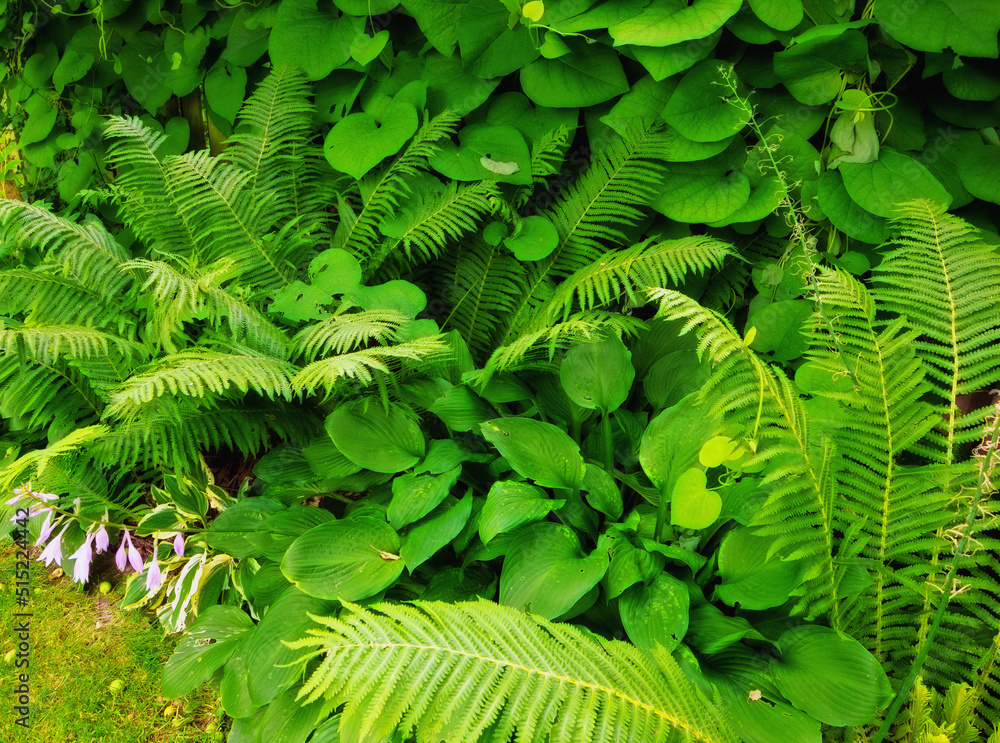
(365, 366)
(230, 220)
(180, 297)
(631, 272)
(195, 373)
(946, 281)
(343, 333)
(47, 343)
(479, 671)
(148, 205)
(87, 252)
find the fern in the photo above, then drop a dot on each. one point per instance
(47, 343)
(342, 333)
(944, 280)
(44, 297)
(408, 667)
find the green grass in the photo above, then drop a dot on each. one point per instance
(81, 642)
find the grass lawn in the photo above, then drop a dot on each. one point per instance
(81, 643)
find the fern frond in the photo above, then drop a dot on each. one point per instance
(364, 366)
(47, 298)
(193, 373)
(631, 272)
(342, 333)
(40, 395)
(537, 348)
(181, 297)
(380, 193)
(32, 466)
(799, 513)
(148, 204)
(272, 143)
(945, 280)
(48, 343)
(87, 252)
(455, 212)
(458, 671)
(229, 219)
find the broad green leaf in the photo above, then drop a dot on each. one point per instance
(438, 19)
(830, 676)
(629, 564)
(496, 152)
(602, 491)
(271, 670)
(666, 23)
(656, 616)
(306, 35)
(534, 239)
(267, 584)
(588, 76)
(461, 409)
(375, 439)
(490, 48)
(701, 117)
(710, 631)
(750, 578)
(692, 504)
(766, 719)
(366, 48)
(665, 61)
(643, 104)
(434, 532)
(538, 451)
(300, 302)
(229, 531)
(783, 15)
(978, 168)
(846, 215)
(397, 294)
(415, 496)
(780, 328)
(812, 69)
(969, 27)
(513, 504)
(702, 197)
(357, 143)
(41, 118)
(205, 646)
(893, 179)
(673, 376)
(598, 375)
(547, 573)
(287, 720)
(972, 79)
(461, 584)
(284, 527)
(450, 87)
(326, 461)
(366, 7)
(671, 442)
(225, 89)
(716, 451)
(347, 560)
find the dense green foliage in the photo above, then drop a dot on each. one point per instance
(649, 319)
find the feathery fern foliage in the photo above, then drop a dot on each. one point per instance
(497, 674)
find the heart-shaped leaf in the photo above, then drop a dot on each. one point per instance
(357, 143)
(535, 238)
(692, 505)
(656, 616)
(415, 496)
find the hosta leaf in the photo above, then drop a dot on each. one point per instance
(415, 496)
(830, 676)
(435, 531)
(204, 648)
(547, 573)
(538, 451)
(750, 578)
(375, 439)
(672, 440)
(512, 504)
(598, 375)
(347, 560)
(657, 614)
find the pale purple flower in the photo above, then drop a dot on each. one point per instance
(134, 558)
(83, 556)
(53, 550)
(153, 576)
(179, 544)
(18, 494)
(101, 539)
(47, 526)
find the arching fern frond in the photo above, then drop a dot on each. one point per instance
(41, 395)
(379, 194)
(231, 220)
(87, 252)
(194, 373)
(631, 272)
(48, 343)
(148, 203)
(180, 297)
(945, 280)
(424, 229)
(342, 333)
(44, 297)
(272, 143)
(365, 366)
(478, 671)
